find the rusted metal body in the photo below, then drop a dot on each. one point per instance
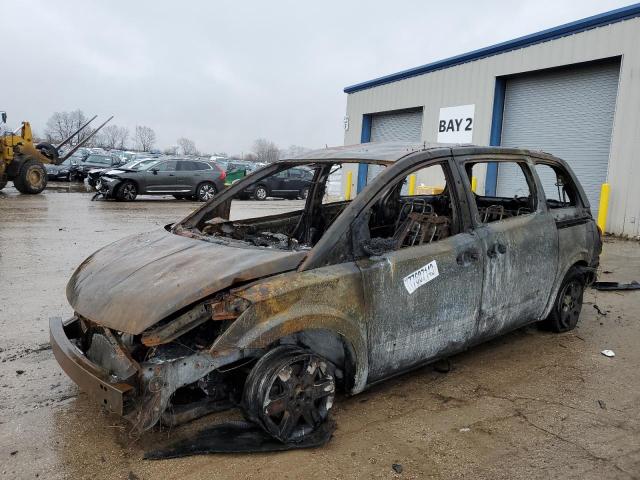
(202, 296)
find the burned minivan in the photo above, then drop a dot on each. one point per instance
(276, 314)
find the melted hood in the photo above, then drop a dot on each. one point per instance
(135, 282)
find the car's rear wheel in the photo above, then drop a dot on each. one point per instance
(568, 303)
(127, 191)
(260, 193)
(206, 191)
(290, 392)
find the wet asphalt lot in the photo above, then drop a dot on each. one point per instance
(528, 405)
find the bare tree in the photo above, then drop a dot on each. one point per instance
(188, 146)
(113, 136)
(266, 150)
(145, 138)
(295, 151)
(249, 157)
(62, 124)
(171, 150)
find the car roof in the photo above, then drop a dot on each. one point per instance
(385, 153)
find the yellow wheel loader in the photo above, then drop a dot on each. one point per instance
(22, 162)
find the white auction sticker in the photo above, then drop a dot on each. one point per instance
(418, 278)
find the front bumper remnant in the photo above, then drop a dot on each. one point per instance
(114, 395)
(147, 391)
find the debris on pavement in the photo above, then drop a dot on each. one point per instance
(600, 312)
(238, 437)
(602, 404)
(397, 468)
(19, 372)
(465, 430)
(608, 353)
(612, 286)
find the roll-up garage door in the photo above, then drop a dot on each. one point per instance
(400, 126)
(568, 113)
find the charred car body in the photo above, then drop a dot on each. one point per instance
(274, 313)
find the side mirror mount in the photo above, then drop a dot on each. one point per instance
(154, 171)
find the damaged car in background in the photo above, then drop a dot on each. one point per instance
(276, 314)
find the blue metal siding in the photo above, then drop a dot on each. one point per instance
(588, 23)
(365, 137)
(491, 180)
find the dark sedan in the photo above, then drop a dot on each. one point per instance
(93, 161)
(292, 183)
(182, 178)
(60, 172)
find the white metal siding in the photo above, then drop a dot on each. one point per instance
(395, 127)
(568, 113)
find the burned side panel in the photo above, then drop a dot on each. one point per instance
(325, 299)
(422, 302)
(519, 274)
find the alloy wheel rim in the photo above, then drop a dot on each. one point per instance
(298, 397)
(261, 193)
(571, 304)
(207, 192)
(128, 192)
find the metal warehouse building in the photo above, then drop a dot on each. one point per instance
(573, 91)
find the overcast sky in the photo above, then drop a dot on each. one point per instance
(224, 73)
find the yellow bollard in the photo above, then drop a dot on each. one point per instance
(347, 188)
(603, 209)
(412, 184)
(474, 184)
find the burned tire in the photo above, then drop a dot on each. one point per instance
(32, 177)
(568, 303)
(261, 193)
(289, 392)
(206, 191)
(127, 191)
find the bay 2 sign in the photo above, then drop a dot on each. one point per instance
(456, 124)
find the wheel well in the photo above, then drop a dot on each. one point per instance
(330, 345)
(589, 273)
(206, 181)
(132, 181)
(263, 186)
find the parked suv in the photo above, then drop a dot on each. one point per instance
(273, 314)
(292, 183)
(182, 178)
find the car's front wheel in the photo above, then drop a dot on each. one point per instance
(206, 191)
(290, 392)
(127, 192)
(568, 303)
(304, 193)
